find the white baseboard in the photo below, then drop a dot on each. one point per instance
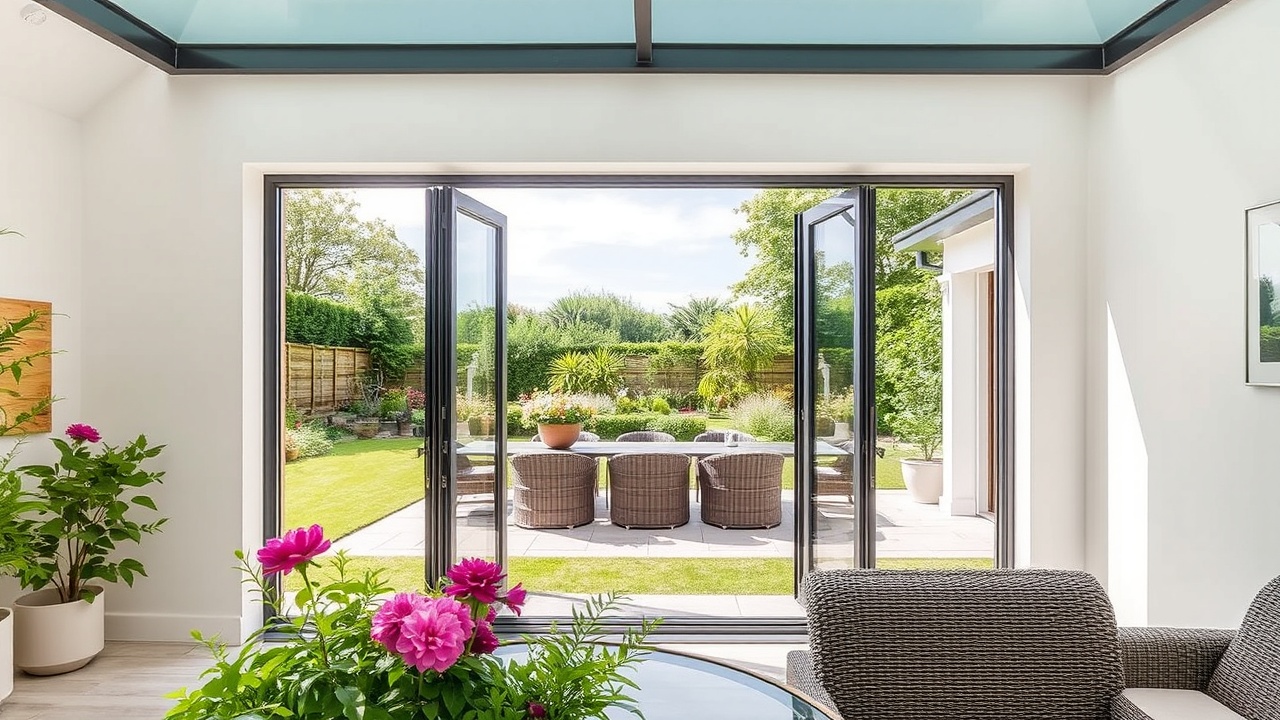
(171, 628)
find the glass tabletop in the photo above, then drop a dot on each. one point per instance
(675, 686)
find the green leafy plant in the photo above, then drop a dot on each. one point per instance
(660, 406)
(739, 344)
(15, 530)
(394, 404)
(915, 370)
(12, 365)
(356, 651)
(309, 439)
(85, 505)
(599, 371)
(683, 427)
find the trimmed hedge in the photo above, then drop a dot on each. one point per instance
(316, 321)
(683, 427)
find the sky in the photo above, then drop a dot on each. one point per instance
(656, 246)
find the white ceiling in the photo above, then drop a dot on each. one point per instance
(59, 65)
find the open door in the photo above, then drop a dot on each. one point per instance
(834, 382)
(466, 493)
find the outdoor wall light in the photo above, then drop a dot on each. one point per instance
(34, 14)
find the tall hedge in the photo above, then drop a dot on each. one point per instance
(316, 321)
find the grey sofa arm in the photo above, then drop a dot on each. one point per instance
(802, 676)
(1179, 658)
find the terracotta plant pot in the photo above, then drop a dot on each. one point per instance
(923, 479)
(291, 454)
(52, 637)
(559, 437)
(366, 429)
(6, 653)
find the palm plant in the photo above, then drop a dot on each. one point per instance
(739, 344)
(599, 371)
(690, 320)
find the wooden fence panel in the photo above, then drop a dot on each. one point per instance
(323, 379)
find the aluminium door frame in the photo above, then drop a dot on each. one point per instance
(727, 628)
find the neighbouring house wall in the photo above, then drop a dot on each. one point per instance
(41, 196)
(1182, 477)
(176, 165)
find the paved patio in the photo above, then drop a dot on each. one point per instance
(903, 529)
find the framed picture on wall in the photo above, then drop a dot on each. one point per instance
(1263, 292)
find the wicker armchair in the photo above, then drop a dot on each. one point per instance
(1202, 672)
(741, 489)
(473, 479)
(837, 478)
(650, 490)
(646, 436)
(719, 436)
(959, 645)
(553, 490)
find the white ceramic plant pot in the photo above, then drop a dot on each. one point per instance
(6, 653)
(51, 637)
(923, 479)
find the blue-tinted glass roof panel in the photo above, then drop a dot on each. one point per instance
(288, 22)
(895, 22)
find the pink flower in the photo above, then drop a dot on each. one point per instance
(536, 710)
(389, 618)
(283, 554)
(436, 635)
(515, 598)
(485, 641)
(475, 578)
(80, 431)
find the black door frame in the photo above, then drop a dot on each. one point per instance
(273, 331)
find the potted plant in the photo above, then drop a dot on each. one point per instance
(85, 506)
(361, 650)
(559, 417)
(14, 551)
(919, 422)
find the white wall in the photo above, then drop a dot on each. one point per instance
(41, 197)
(1183, 485)
(176, 163)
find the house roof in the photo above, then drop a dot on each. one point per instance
(973, 210)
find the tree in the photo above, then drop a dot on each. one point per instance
(769, 236)
(738, 344)
(912, 359)
(689, 321)
(327, 246)
(608, 313)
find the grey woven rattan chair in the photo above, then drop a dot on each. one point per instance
(650, 490)
(553, 490)
(1202, 672)
(741, 489)
(722, 435)
(646, 436)
(959, 645)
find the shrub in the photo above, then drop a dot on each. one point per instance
(661, 406)
(310, 439)
(628, 406)
(419, 417)
(317, 321)
(683, 427)
(599, 371)
(766, 416)
(515, 420)
(393, 404)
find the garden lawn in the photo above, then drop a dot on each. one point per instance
(360, 482)
(646, 576)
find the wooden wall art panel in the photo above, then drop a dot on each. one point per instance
(37, 380)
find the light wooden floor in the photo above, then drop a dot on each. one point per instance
(129, 681)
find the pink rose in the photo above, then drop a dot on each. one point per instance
(283, 554)
(476, 579)
(388, 619)
(82, 432)
(515, 598)
(436, 635)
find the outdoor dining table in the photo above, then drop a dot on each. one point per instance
(610, 448)
(606, 449)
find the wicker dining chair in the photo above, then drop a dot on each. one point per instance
(553, 490)
(650, 490)
(719, 436)
(837, 478)
(474, 479)
(646, 436)
(741, 489)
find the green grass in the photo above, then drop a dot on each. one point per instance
(361, 482)
(647, 576)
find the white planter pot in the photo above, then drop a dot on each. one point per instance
(842, 431)
(923, 479)
(52, 637)
(6, 653)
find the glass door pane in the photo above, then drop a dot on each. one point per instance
(467, 481)
(836, 524)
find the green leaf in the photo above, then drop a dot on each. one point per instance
(144, 501)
